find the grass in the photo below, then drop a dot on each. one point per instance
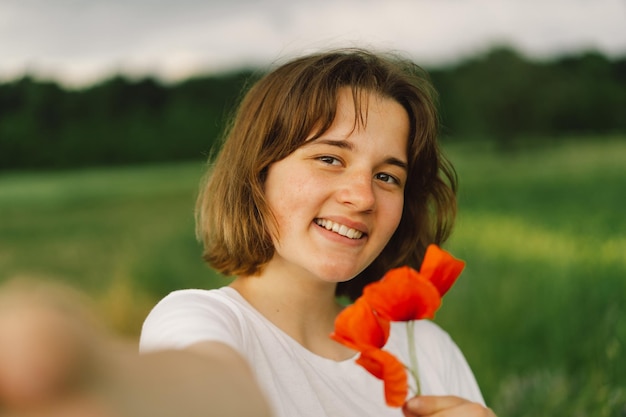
(122, 234)
(544, 292)
(538, 311)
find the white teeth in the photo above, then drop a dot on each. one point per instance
(340, 229)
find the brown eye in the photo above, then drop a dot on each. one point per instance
(386, 178)
(330, 160)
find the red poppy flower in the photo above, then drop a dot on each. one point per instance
(441, 268)
(402, 295)
(359, 328)
(385, 366)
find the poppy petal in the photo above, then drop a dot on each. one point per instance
(359, 328)
(441, 268)
(385, 366)
(403, 295)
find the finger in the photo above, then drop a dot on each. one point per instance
(427, 405)
(444, 406)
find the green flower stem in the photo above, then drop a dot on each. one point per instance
(410, 325)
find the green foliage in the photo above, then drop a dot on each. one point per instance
(504, 97)
(500, 96)
(116, 122)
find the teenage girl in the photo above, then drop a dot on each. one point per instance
(329, 176)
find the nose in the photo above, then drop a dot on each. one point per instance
(356, 190)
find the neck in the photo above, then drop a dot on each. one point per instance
(303, 307)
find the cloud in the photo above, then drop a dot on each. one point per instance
(81, 41)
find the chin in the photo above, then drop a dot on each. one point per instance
(337, 274)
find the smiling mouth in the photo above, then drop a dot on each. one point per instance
(340, 229)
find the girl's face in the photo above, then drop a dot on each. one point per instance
(338, 199)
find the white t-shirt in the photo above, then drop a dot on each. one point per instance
(297, 382)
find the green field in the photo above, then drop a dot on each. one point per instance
(540, 310)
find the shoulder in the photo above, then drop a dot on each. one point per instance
(194, 304)
(443, 366)
(196, 298)
(189, 316)
(433, 334)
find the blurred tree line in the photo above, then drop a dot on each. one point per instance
(501, 96)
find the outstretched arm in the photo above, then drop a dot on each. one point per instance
(56, 361)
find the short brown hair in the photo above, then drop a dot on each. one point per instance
(277, 115)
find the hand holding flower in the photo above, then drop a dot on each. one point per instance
(425, 406)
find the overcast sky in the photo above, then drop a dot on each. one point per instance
(81, 41)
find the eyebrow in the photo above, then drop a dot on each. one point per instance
(342, 144)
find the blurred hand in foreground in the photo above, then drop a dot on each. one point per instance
(48, 348)
(56, 360)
